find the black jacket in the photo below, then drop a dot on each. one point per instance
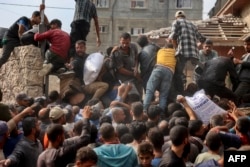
(216, 70)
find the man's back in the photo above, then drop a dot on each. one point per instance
(12, 32)
(170, 159)
(147, 58)
(187, 37)
(55, 38)
(84, 10)
(26, 153)
(113, 155)
(216, 70)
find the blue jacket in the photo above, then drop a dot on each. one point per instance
(114, 155)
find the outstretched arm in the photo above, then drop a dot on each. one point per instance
(181, 99)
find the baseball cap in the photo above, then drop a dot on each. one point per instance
(3, 129)
(56, 113)
(22, 96)
(180, 13)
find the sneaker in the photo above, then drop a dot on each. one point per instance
(61, 70)
(67, 74)
(45, 70)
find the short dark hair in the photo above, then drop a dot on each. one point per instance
(107, 131)
(180, 113)
(173, 107)
(28, 124)
(105, 119)
(194, 126)
(243, 124)
(57, 22)
(78, 127)
(178, 134)
(145, 148)
(154, 111)
(121, 129)
(208, 41)
(85, 154)
(163, 127)
(213, 140)
(35, 14)
(169, 45)
(53, 131)
(142, 40)
(181, 121)
(125, 35)
(156, 137)
(109, 50)
(137, 129)
(53, 95)
(126, 138)
(137, 108)
(80, 42)
(247, 39)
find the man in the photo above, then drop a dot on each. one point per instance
(138, 130)
(28, 148)
(174, 156)
(85, 157)
(96, 88)
(7, 127)
(243, 69)
(111, 153)
(205, 54)
(136, 111)
(214, 75)
(146, 58)
(185, 37)
(118, 116)
(23, 101)
(85, 10)
(57, 55)
(61, 152)
(12, 37)
(161, 77)
(57, 116)
(126, 63)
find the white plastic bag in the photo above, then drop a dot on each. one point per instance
(92, 67)
(203, 107)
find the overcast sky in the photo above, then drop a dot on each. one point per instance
(10, 13)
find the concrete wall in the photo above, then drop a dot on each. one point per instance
(19, 74)
(119, 14)
(245, 14)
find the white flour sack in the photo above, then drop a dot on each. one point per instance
(92, 67)
(203, 107)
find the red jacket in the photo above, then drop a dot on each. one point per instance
(58, 39)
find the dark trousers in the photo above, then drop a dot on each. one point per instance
(242, 89)
(54, 59)
(8, 47)
(221, 91)
(79, 31)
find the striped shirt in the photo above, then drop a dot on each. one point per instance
(84, 10)
(187, 37)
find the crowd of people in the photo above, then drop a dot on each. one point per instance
(130, 115)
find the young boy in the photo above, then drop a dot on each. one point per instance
(85, 157)
(145, 154)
